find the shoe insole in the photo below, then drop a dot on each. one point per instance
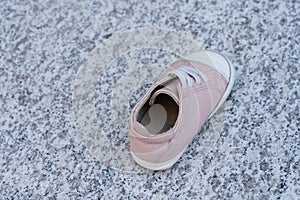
(155, 119)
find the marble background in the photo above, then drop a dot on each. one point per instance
(44, 43)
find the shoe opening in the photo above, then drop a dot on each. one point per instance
(160, 116)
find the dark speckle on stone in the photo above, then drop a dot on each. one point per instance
(107, 36)
(264, 166)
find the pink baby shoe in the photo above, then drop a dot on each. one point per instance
(167, 118)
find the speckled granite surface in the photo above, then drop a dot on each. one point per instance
(45, 44)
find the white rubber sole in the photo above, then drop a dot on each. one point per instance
(157, 166)
(222, 65)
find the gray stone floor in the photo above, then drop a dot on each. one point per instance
(44, 45)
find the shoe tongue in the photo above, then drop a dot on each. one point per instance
(169, 88)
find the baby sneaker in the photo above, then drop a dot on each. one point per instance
(168, 117)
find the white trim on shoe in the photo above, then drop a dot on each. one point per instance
(157, 166)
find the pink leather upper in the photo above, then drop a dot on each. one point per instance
(196, 103)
